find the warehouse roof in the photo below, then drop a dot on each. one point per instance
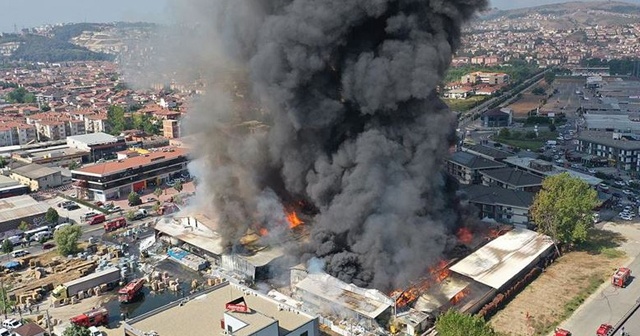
(486, 151)
(366, 302)
(93, 138)
(201, 315)
(496, 263)
(20, 207)
(107, 168)
(34, 171)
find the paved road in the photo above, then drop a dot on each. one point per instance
(609, 303)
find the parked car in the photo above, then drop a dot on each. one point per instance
(47, 246)
(626, 217)
(591, 171)
(11, 324)
(17, 254)
(603, 186)
(88, 215)
(150, 199)
(627, 192)
(620, 183)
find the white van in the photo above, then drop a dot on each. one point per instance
(19, 253)
(41, 235)
(60, 226)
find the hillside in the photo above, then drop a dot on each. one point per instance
(36, 48)
(577, 13)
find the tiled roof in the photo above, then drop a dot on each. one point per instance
(108, 168)
(496, 195)
(514, 177)
(473, 161)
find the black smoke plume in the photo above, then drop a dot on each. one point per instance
(343, 92)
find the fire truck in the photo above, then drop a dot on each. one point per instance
(115, 224)
(604, 329)
(93, 318)
(562, 332)
(129, 292)
(621, 277)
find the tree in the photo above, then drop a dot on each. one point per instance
(134, 199)
(562, 209)
(538, 91)
(178, 186)
(454, 323)
(52, 216)
(21, 95)
(157, 192)
(530, 135)
(7, 246)
(552, 127)
(504, 133)
(74, 165)
(67, 239)
(130, 215)
(24, 226)
(116, 120)
(549, 77)
(76, 330)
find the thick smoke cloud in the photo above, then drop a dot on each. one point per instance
(347, 90)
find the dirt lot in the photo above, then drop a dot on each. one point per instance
(561, 288)
(528, 102)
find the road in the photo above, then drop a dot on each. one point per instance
(609, 303)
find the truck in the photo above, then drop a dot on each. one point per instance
(93, 318)
(115, 224)
(140, 214)
(621, 277)
(604, 330)
(97, 219)
(561, 332)
(131, 291)
(109, 276)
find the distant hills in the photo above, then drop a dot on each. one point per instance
(71, 42)
(576, 12)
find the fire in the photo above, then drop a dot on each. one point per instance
(464, 235)
(436, 274)
(293, 220)
(458, 297)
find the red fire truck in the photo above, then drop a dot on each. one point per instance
(129, 292)
(604, 329)
(621, 277)
(97, 219)
(562, 332)
(115, 224)
(96, 317)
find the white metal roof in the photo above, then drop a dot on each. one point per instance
(367, 302)
(93, 138)
(503, 258)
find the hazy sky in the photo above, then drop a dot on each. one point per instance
(30, 13)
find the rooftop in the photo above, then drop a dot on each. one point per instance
(503, 258)
(525, 163)
(496, 195)
(496, 154)
(606, 138)
(93, 138)
(513, 177)
(34, 171)
(112, 167)
(202, 314)
(19, 207)
(473, 161)
(366, 302)
(184, 229)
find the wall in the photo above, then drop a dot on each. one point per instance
(310, 328)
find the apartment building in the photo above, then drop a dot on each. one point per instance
(620, 150)
(171, 129)
(492, 78)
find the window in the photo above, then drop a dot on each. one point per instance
(306, 333)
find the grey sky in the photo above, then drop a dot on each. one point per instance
(31, 13)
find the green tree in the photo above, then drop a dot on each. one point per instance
(76, 330)
(134, 198)
(74, 165)
(21, 95)
(52, 216)
(7, 246)
(116, 120)
(67, 239)
(178, 186)
(3, 162)
(549, 77)
(24, 226)
(157, 192)
(562, 209)
(552, 127)
(538, 91)
(45, 108)
(454, 323)
(130, 215)
(530, 135)
(504, 133)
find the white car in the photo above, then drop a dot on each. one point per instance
(603, 186)
(591, 171)
(620, 183)
(626, 217)
(627, 192)
(93, 331)
(11, 324)
(4, 332)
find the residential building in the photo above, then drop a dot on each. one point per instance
(511, 178)
(491, 78)
(503, 205)
(228, 309)
(51, 130)
(37, 177)
(490, 153)
(620, 150)
(465, 167)
(171, 129)
(497, 118)
(545, 168)
(116, 179)
(99, 145)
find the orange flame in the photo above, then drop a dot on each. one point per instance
(293, 220)
(464, 235)
(458, 297)
(436, 274)
(263, 232)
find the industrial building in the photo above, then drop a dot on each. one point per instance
(10, 187)
(14, 210)
(497, 118)
(545, 168)
(225, 309)
(118, 178)
(99, 145)
(37, 177)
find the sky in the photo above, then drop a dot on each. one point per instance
(32, 13)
